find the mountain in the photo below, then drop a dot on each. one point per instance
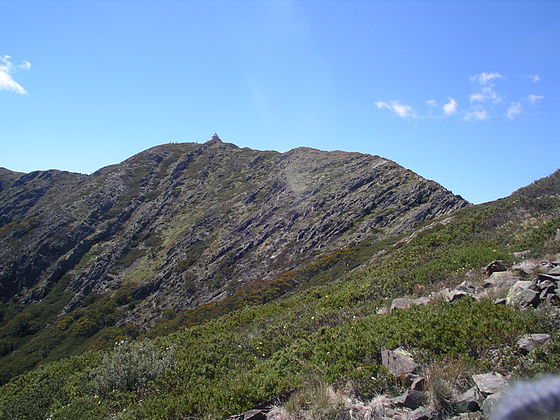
(202, 280)
(184, 224)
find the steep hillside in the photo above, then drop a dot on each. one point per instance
(335, 331)
(181, 225)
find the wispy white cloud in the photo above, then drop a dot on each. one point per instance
(482, 103)
(7, 68)
(485, 94)
(486, 78)
(534, 78)
(476, 97)
(514, 110)
(477, 114)
(450, 107)
(533, 99)
(402, 110)
(485, 91)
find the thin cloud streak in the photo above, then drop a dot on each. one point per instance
(533, 99)
(401, 110)
(477, 114)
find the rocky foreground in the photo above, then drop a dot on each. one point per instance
(526, 285)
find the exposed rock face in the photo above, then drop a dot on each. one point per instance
(188, 223)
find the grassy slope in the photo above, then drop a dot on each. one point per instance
(254, 353)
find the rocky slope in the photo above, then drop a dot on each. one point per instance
(182, 224)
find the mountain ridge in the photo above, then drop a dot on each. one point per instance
(133, 189)
(190, 228)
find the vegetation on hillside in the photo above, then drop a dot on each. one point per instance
(224, 363)
(183, 233)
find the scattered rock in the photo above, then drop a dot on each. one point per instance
(555, 271)
(421, 413)
(529, 298)
(521, 254)
(529, 342)
(382, 311)
(500, 301)
(489, 383)
(418, 383)
(554, 278)
(422, 301)
(546, 292)
(521, 294)
(490, 402)
(466, 286)
(443, 292)
(473, 416)
(546, 284)
(557, 237)
(469, 400)
(401, 303)
(255, 415)
(250, 415)
(455, 295)
(397, 401)
(494, 266)
(527, 267)
(501, 279)
(552, 297)
(399, 362)
(410, 399)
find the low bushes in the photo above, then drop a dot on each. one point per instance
(130, 367)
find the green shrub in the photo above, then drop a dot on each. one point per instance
(131, 366)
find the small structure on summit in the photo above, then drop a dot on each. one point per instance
(215, 138)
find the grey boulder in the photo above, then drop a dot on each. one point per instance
(529, 342)
(399, 362)
(489, 383)
(522, 294)
(469, 400)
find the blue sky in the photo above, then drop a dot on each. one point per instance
(462, 92)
